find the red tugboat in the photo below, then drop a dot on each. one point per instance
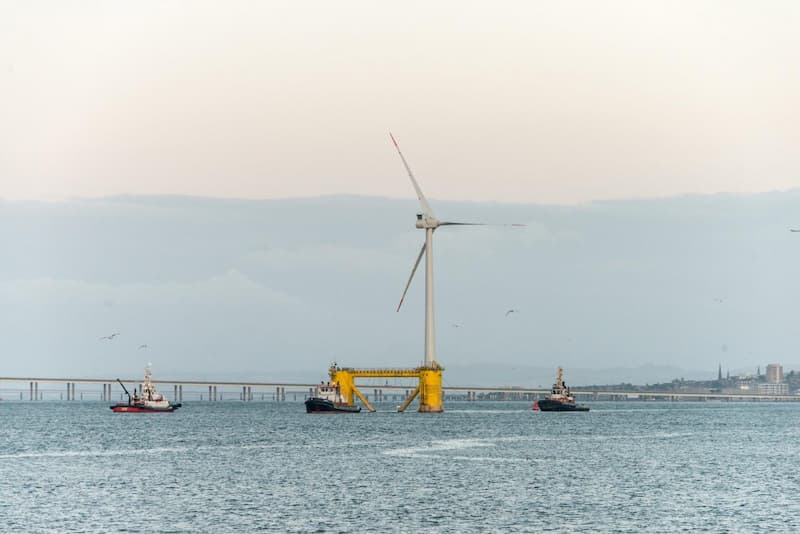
(328, 399)
(149, 400)
(560, 399)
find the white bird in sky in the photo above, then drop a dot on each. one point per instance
(511, 311)
(112, 336)
(142, 347)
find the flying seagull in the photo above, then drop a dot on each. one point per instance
(719, 300)
(142, 347)
(112, 336)
(511, 311)
(455, 325)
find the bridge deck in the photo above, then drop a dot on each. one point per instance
(304, 386)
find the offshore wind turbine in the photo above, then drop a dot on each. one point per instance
(429, 374)
(427, 221)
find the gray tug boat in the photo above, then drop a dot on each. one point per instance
(560, 399)
(328, 399)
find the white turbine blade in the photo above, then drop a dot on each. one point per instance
(448, 223)
(419, 258)
(426, 209)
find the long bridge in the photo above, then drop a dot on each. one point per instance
(64, 388)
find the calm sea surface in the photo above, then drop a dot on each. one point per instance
(479, 467)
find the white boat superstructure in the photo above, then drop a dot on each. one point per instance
(148, 396)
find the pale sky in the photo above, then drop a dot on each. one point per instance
(534, 101)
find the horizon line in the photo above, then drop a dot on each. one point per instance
(608, 200)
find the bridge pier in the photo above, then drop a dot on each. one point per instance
(36, 390)
(180, 393)
(209, 393)
(215, 393)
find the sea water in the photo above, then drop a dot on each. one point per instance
(478, 467)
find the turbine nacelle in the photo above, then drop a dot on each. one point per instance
(426, 221)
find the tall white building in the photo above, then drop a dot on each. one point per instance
(774, 373)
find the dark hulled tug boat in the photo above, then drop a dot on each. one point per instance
(328, 399)
(560, 399)
(148, 400)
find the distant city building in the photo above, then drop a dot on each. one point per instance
(774, 373)
(773, 389)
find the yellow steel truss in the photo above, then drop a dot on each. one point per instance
(429, 388)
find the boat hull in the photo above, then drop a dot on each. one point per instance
(549, 405)
(132, 408)
(317, 405)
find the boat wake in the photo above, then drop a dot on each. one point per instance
(128, 452)
(69, 454)
(440, 448)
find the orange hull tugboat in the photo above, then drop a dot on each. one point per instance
(149, 400)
